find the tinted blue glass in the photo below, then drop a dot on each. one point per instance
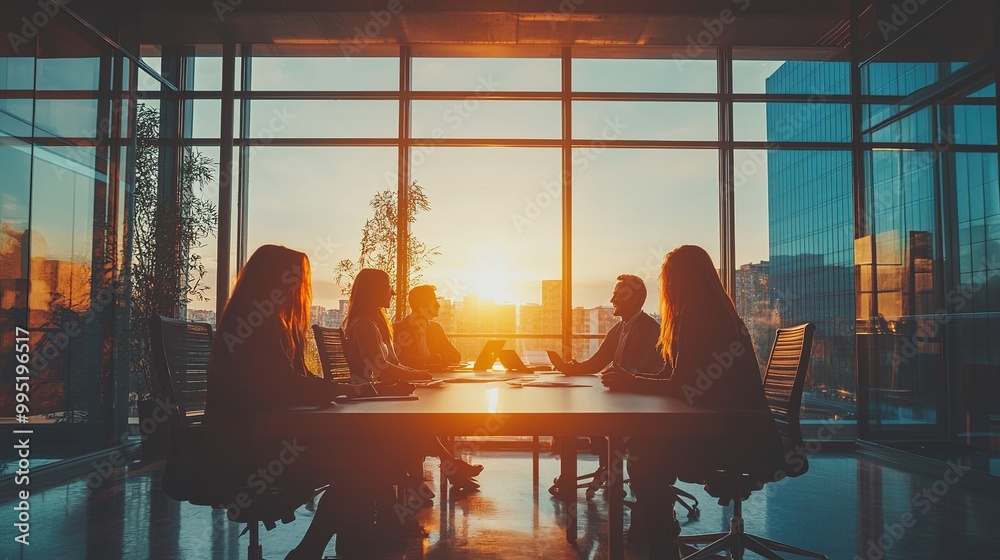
(68, 73)
(17, 72)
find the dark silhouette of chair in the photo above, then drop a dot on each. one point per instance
(330, 344)
(783, 383)
(206, 464)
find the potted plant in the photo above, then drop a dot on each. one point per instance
(165, 270)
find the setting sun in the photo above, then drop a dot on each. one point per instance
(492, 283)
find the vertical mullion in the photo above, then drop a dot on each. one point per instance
(865, 370)
(727, 218)
(402, 185)
(243, 192)
(226, 174)
(567, 203)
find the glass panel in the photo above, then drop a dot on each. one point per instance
(325, 74)
(908, 390)
(487, 74)
(15, 117)
(71, 118)
(316, 200)
(804, 77)
(146, 81)
(795, 258)
(680, 75)
(792, 122)
(17, 72)
(630, 208)
(206, 118)
(645, 120)
(323, 119)
(208, 72)
(63, 182)
(495, 222)
(68, 73)
(474, 118)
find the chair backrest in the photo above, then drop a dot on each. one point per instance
(180, 354)
(330, 344)
(784, 379)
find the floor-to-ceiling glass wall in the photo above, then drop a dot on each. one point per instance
(65, 123)
(927, 261)
(794, 216)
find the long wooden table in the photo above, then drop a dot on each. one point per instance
(499, 409)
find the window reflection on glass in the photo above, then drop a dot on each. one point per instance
(909, 385)
(630, 208)
(645, 120)
(16, 117)
(62, 268)
(71, 118)
(795, 259)
(486, 74)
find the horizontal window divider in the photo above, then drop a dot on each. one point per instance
(56, 94)
(265, 142)
(60, 141)
(554, 336)
(640, 96)
(929, 147)
(772, 145)
(817, 97)
(391, 95)
(678, 144)
(491, 95)
(487, 142)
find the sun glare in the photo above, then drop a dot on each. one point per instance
(492, 284)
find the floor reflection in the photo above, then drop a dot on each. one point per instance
(846, 506)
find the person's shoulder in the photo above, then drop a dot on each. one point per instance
(361, 324)
(646, 320)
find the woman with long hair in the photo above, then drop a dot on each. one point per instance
(699, 327)
(258, 364)
(370, 355)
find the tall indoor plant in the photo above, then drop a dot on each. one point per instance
(168, 226)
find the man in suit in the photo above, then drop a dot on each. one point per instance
(419, 340)
(632, 343)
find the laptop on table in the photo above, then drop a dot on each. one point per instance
(487, 357)
(512, 362)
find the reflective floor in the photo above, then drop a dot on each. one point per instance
(847, 506)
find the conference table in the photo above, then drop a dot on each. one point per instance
(494, 404)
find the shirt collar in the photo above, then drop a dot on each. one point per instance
(631, 320)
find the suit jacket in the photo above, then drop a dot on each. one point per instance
(406, 342)
(640, 354)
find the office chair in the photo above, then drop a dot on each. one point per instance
(330, 345)
(783, 384)
(205, 462)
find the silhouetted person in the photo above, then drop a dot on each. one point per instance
(700, 327)
(258, 364)
(632, 342)
(419, 340)
(370, 355)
